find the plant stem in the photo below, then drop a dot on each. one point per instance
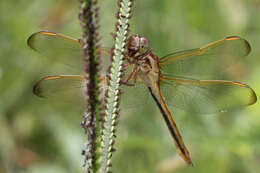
(92, 120)
(112, 99)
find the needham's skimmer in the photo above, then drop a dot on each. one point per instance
(183, 79)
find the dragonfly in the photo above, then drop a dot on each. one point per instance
(180, 79)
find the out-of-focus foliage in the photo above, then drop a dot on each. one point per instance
(38, 135)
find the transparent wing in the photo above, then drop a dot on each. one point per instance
(65, 88)
(60, 87)
(58, 47)
(206, 96)
(216, 60)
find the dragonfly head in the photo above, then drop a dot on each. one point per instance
(137, 43)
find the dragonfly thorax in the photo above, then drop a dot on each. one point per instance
(145, 62)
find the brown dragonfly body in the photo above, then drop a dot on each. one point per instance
(187, 90)
(146, 67)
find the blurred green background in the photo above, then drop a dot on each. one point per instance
(38, 135)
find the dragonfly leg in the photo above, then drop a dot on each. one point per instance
(125, 66)
(133, 75)
(129, 59)
(134, 81)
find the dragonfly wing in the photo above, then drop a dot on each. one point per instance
(59, 47)
(63, 87)
(68, 88)
(206, 96)
(216, 60)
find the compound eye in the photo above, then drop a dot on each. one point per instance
(134, 42)
(144, 42)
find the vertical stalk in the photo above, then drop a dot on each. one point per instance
(112, 96)
(92, 120)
